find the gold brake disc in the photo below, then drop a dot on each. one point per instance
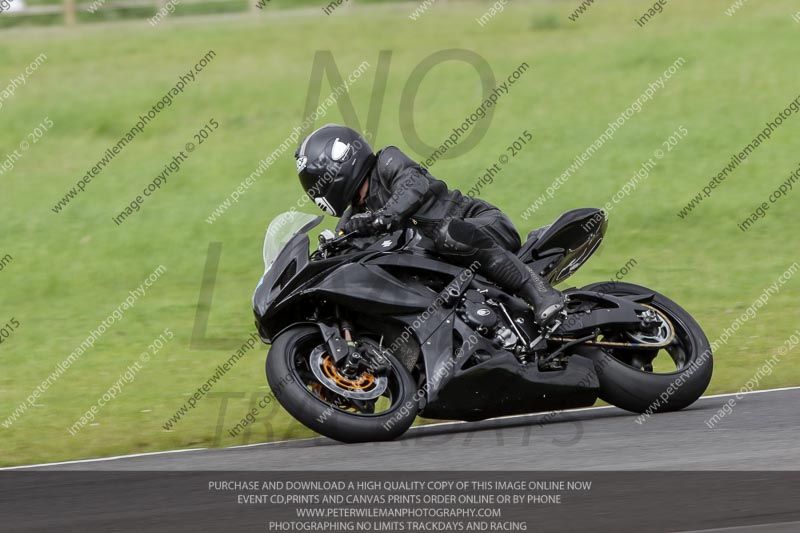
(364, 382)
(365, 386)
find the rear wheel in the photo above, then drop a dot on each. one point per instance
(653, 380)
(376, 403)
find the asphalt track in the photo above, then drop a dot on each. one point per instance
(762, 432)
(670, 473)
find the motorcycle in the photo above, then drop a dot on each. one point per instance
(367, 333)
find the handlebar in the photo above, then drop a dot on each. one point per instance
(340, 239)
(328, 245)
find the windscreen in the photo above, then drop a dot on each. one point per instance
(282, 229)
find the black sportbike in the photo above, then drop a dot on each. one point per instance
(368, 333)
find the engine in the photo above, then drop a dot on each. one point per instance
(487, 319)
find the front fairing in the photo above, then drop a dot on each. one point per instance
(286, 255)
(349, 279)
(293, 274)
(282, 275)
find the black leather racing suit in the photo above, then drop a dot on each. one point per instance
(463, 229)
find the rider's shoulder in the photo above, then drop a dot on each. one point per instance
(391, 158)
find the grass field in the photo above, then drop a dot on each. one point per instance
(93, 11)
(69, 271)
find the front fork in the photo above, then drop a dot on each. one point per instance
(347, 353)
(353, 361)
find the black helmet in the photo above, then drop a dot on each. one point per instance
(333, 163)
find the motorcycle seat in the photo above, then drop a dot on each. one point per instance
(533, 237)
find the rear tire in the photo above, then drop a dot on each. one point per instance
(636, 390)
(294, 395)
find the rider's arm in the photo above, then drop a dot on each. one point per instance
(407, 181)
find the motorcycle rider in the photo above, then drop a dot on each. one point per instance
(388, 190)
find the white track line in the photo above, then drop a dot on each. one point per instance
(412, 430)
(100, 459)
(784, 526)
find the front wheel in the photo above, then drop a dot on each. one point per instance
(378, 403)
(653, 380)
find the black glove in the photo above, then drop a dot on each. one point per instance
(362, 224)
(371, 223)
(385, 221)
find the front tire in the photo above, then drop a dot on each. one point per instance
(319, 408)
(625, 384)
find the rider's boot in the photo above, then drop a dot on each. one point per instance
(508, 270)
(459, 239)
(547, 301)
